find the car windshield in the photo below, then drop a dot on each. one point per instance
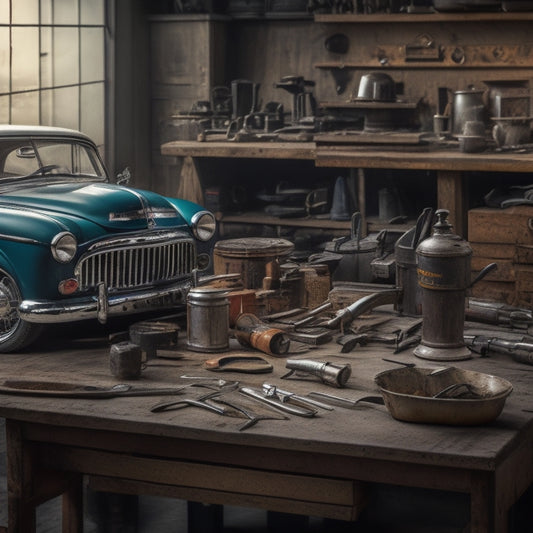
(24, 158)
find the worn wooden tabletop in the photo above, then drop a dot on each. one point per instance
(366, 431)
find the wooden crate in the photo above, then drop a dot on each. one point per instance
(504, 237)
(513, 225)
(495, 290)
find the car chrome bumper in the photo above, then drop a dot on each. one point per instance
(103, 306)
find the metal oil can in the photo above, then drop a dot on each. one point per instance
(443, 273)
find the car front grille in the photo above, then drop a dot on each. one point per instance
(136, 266)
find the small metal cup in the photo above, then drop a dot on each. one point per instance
(440, 125)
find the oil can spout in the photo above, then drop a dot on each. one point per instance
(482, 273)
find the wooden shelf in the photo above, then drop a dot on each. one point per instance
(434, 157)
(446, 159)
(498, 16)
(253, 150)
(446, 62)
(262, 219)
(373, 223)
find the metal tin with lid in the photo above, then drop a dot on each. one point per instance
(207, 319)
(249, 257)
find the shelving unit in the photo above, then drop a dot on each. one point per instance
(492, 46)
(408, 18)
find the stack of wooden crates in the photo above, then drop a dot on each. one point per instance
(505, 237)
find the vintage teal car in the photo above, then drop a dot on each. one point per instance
(74, 246)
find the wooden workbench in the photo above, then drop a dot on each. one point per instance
(449, 163)
(317, 466)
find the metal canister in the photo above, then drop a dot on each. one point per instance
(443, 275)
(207, 319)
(249, 257)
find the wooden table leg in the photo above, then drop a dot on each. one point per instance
(21, 512)
(27, 487)
(483, 515)
(72, 517)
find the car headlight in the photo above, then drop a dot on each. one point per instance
(203, 225)
(64, 246)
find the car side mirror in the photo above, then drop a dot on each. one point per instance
(124, 176)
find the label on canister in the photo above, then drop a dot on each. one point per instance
(442, 273)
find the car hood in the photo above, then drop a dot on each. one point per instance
(111, 206)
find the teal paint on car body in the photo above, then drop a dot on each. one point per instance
(74, 246)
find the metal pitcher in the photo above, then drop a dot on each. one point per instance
(468, 105)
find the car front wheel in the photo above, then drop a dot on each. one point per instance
(15, 333)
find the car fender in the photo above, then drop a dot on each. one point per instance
(8, 267)
(185, 208)
(18, 224)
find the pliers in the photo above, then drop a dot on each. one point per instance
(294, 407)
(272, 391)
(198, 402)
(187, 402)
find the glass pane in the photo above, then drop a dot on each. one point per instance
(25, 62)
(25, 11)
(25, 108)
(93, 12)
(92, 112)
(65, 110)
(4, 11)
(20, 162)
(47, 106)
(65, 59)
(46, 11)
(4, 109)
(46, 57)
(66, 11)
(92, 54)
(4, 58)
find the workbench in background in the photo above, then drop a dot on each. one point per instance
(447, 169)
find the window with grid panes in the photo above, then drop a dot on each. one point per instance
(52, 64)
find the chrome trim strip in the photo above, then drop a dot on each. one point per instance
(135, 239)
(57, 312)
(20, 239)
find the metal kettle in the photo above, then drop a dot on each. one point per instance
(356, 254)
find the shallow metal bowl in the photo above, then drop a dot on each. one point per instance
(443, 396)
